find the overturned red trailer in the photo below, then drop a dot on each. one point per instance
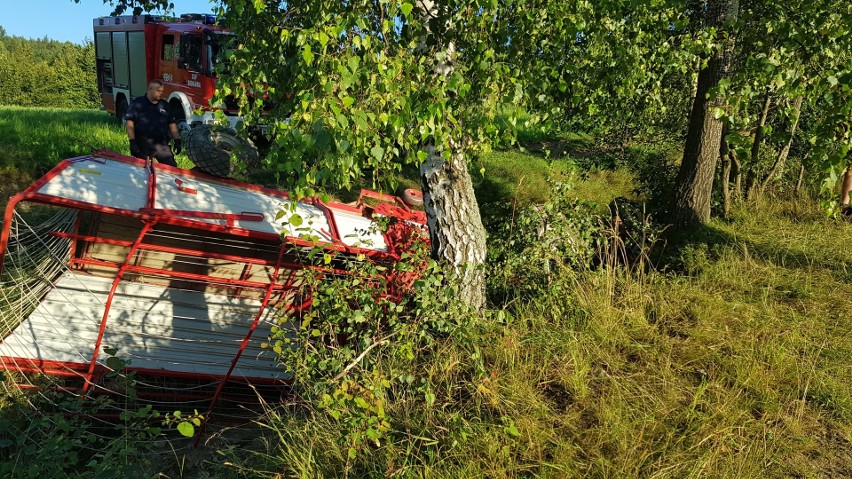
(178, 274)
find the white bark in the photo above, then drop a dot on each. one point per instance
(455, 225)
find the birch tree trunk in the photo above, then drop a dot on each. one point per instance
(726, 175)
(778, 167)
(751, 177)
(455, 224)
(694, 185)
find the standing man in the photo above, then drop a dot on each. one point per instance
(150, 124)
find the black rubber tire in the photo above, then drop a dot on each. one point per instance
(218, 151)
(180, 117)
(121, 110)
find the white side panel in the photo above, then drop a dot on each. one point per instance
(355, 230)
(121, 185)
(112, 183)
(152, 327)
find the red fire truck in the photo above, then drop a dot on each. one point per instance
(181, 52)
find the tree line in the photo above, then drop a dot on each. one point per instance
(47, 73)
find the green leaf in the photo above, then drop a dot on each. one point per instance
(512, 431)
(307, 54)
(186, 429)
(323, 39)
(406, 9)
(295, 220)
(832, 80)
(377, 152)
(348, 101)
(114, 363)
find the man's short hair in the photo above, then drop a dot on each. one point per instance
(155, 82)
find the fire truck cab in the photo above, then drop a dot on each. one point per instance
(181, 52)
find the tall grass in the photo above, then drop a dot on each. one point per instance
(737, 365)
(33, 140)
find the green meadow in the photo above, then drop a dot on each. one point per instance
(726, 353)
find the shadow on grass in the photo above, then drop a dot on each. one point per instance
(690, 252)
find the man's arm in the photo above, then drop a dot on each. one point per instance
(173, 130)
(131, 135)
(131, 129)
(178, 147)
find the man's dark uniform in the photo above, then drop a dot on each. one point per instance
(151, 125)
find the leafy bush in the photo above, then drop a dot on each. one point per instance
(54, 435)
(532, 252)
(356, 347)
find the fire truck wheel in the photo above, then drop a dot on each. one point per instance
(218, 151)
(121, 111)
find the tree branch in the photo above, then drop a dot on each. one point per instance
(361, 356)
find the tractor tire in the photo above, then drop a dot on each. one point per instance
(218, 151)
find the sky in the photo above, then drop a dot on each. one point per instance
(65, 20)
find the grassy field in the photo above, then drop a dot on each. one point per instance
(731, 357)
(34, 140)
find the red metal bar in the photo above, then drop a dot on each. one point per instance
(7, 225)
(381, 197)
(332, 222)
(167, 249)
(245, 342)
(285, 264)
(76, 230)
(243, 216)
(72, 369)
(244, 276)
(145, 229)
(188, 223)
(51, 372)
(152, 185)
(42, 366)
(176, 274)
